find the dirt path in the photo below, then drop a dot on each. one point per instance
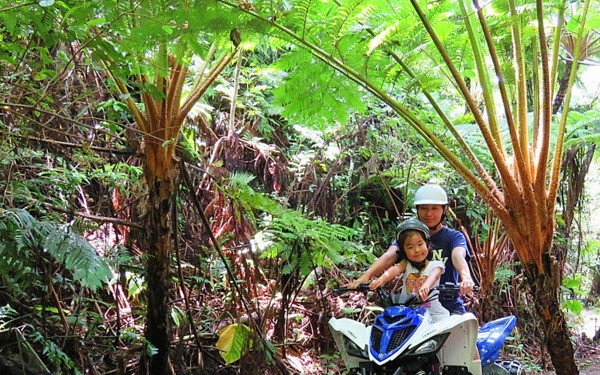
(584, 369)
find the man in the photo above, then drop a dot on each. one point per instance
(449, 246)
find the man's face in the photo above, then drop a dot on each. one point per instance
(430, 214)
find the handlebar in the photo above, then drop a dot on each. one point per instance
(445, 291)
(449, 287)
(363, 287)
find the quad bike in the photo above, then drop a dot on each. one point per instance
(403, 339)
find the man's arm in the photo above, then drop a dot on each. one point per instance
(381, 264)
(459, 262)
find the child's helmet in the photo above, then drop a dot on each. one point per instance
(431, 194)
(411, 224)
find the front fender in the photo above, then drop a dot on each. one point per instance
(354, 331)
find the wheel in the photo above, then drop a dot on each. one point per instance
(503, 368)
(513, 367)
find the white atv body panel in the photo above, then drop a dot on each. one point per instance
(355, 331)
(460, 347)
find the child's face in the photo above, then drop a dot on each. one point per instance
(415, 247)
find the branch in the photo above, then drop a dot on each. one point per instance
(542, 148)
(100, 219)
(521, 83)
(484, 78)
(556, 44)
(175, 83)
(133, 108)
(236, 84)
(201, 88)
(485, 176)
(507, 177)
(555, 173)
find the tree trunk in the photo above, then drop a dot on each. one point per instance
(576, 166)
(159, 244)
(544, 290)
(563, 84)
(595, 289)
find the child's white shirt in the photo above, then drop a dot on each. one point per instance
(413, 279)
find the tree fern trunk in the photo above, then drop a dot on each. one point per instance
(544, 290)
(563, 84)
(158, 247)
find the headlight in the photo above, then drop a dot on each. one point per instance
(430, 346)
(353, 349)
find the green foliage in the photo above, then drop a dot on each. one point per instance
(583, 127)
(302, 244)
(24, 240)
(11, 320)
(55, 354)
(575, 289)
(318, 108)
(7, 316)
(504, 274)
(79, 257)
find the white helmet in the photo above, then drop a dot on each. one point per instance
(431, 194)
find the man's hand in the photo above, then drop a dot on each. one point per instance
(466, 286)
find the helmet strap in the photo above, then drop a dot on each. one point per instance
(432, 229)
(418, 265)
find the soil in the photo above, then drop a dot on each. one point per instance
(585, 368)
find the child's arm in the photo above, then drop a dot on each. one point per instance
(389, 275)
(432, 279)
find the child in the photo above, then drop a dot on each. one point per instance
(419, 273)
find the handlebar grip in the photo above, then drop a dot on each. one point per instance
(448, 287)
(363, 287)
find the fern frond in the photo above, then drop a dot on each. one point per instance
(22, 237)
(240, 179)
(349, 17)
(79, 257)
(303, 243)
(301, 13)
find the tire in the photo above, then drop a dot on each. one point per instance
(503, 368)
(513, 367)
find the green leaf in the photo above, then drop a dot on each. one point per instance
(574, 305)
(571, 282)
(95, 22)
(234, 341)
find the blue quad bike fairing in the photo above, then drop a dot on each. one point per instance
(491, 336)
(392, 329)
